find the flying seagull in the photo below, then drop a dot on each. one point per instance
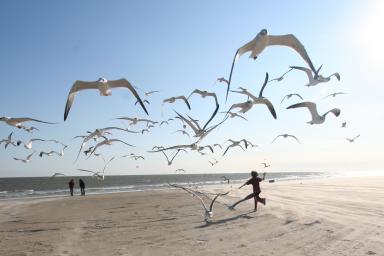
(316, 118)
(333, 95)
(208, 213)
(266, 165)
(99, 175)
(263, 40)
(278, 79)
(205, 94)
(260, 99)
(26, 160)
(176, 153)
(353, 139)
(8, 141)
(288, 96)
(286, 136)
(233, 115)
(104, 86)
(173, 99)
(107, 142)
(17, 122)
(312, 81)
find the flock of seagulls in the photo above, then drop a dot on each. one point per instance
(196, 130)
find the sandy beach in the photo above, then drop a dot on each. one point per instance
(343, 216)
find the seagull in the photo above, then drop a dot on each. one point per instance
(30, 129)
(26, 160)
(205, 94)
(104, 86)
(343, 124)
(199, 132)
(223, 80)
(201, 148)
(244, 106)
(234, 144)
(352, 140)
(17, 122)
(266, 165)
(315, 81)
(180, 170)
(135, 120)
(98, 133)
(225, 178)
(217, 145)
(173, 99)
(263, 40)
(164, 122)
(183, 132)
(107, 142)
(286, 136)
(50, 153)
(136, 157)
(260, 99)
(177, 152)
(8, 141)
(98, 175)
(89, 150)
(233, 115)
(56, 174)
(150, 92)
(333, 95)
(214, 162)
(316, 118)
(208, 213)
(29, 144)
(288, 96)
(278, 79)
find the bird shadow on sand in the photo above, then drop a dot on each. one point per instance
(221, 221)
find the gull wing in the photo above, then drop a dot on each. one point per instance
(291, 41)
(27, 119)
(268, 104)
(185, 100)
(293, 136)
(213, 115)
(283, 99)
(121, 142)
(188, 122)
(214, 199)
(77, 86)
(191, 192)
(126, 84)
(82, 170)
(306, 70)
(312, 108)
(335, 111)
(265, 84)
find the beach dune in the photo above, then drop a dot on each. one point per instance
(342, 216)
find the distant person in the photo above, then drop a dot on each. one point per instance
(255, 182)
(82, 187)
(71, 184)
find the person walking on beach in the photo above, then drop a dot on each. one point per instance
(255, 182)
(82, 187)
(71, 184)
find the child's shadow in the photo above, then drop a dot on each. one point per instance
(215, 222)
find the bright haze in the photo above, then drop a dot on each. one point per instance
(175, 47)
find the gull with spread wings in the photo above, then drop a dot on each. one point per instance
(312, 108)
(263, 40)
(312, 81)
(286, 136)
(104, 86)
(257, 100)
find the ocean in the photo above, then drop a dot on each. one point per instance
(37, 187)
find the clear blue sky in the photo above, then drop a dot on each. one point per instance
(174, 47)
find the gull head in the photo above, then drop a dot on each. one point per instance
(263, 32)
(4, 118)
(102, 80)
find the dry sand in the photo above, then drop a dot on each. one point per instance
(322, 217)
